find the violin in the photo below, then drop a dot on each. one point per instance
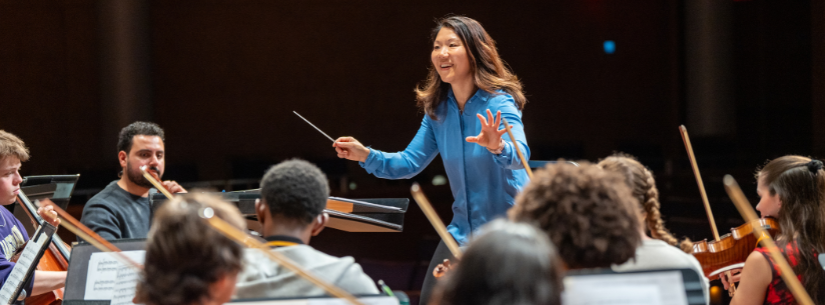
(56, 258)
(732, 248)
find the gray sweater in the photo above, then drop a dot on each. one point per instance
(115, 213)
(263, 278)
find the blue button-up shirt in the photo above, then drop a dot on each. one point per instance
(484, 185)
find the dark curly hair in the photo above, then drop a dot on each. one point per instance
(508, 263)
(643, 186)
(128, 133)
(295, 189)
(588, 213)
(184, 255)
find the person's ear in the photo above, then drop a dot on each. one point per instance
(261, 210)
(121, 157)
(319, 224)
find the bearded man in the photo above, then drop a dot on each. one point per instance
(122, 209)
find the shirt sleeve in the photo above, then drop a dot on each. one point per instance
(509, 158)
(101, 219)
(408, 163)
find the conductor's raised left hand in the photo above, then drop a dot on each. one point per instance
(490, 136)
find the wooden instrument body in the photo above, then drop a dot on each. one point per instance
(731, 248)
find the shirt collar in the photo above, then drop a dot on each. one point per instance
(275, 241)
(479, 95)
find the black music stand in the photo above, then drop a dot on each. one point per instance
(354, 215)
(57, 188)
(79, 266)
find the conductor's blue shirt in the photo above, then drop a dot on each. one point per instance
(484, 185)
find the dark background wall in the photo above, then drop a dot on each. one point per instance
(222, 77)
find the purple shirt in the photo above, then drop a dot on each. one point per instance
(12, 237)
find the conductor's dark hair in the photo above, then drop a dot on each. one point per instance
(185, 255)
(490, 73)
(295, 189)
(588, 213)
(509, 263)
(128, 133)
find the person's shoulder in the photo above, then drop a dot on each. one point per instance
(108, 196)
(500, 99)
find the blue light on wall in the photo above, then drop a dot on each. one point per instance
(609, 47)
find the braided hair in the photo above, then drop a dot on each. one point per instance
(641, 181)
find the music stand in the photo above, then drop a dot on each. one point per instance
(350, 215)
(75, 290)
(57, 188)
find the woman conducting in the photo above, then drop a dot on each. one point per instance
(467, 83)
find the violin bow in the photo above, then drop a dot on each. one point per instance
(82, 231)
(432, 216)
(515, 144)
(155, 180)
(241, 237)
(745, 208)
(693, 164)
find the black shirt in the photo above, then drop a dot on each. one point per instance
(115, 213)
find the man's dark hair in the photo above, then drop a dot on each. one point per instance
(295, 189)
(128, 133)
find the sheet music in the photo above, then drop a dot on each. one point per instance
(103, 272)
(666, 288)
(18, 274)
(125, 284)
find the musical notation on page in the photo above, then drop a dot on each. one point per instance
(103, 274)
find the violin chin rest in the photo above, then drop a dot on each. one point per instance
(736, 266)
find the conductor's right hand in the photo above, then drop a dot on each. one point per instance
(349, 148)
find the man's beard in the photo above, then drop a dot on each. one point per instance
(136, 176)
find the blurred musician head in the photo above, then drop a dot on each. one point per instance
(464, 55)
(643, 187)
(293, 197)
(588, 213)
(507, 263)
(792, 188)
(188, 262)
(12, 152)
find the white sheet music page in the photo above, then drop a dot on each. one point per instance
(103, 271)
(653, 288)
(18, 274)
(125, 285)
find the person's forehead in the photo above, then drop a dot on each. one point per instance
(9, 162)
(143, 142)
(446, 34)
